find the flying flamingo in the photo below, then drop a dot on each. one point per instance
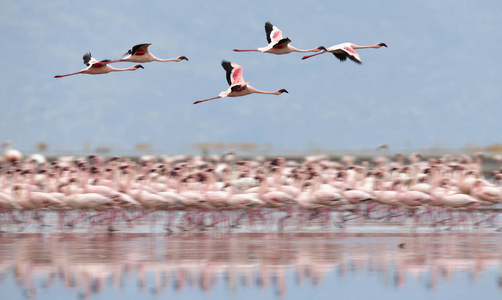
(98, 67)
(11, 154)
(139, 54)
(237, 85)
(346, 50)
(277, 44)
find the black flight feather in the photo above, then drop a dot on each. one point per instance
(87, 58)
(228, 67)
(268, 30)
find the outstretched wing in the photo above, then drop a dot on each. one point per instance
(140, 49)
(273, 33)
(89, 60)
(348, 52)
(234, 72)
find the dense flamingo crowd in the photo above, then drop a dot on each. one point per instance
(199, 192)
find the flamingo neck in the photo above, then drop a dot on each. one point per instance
(365, 47)
(112, 69)
(165, 60)
(257, 91)
(293, 49)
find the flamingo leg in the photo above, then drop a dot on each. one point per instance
(308, 56)
(250, 50)
(60, 76)
(199, 101)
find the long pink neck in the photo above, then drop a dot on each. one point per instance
(257, 91)
(293, 49)
(112, 69)
(262, 92)
(365, 47)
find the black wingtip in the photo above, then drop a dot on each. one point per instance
(87, 58)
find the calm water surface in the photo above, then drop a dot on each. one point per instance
(328, 265)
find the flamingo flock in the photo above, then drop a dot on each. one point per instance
(276, 45)
(192, 193)
(95, 67)
(138, 54)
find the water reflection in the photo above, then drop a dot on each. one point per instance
(90, 263)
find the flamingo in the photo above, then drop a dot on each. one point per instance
(277, 44)
(11, 154)
(140, 54)
(98, 67)
(237, 85)
(346, 50)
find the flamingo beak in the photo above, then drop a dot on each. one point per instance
(139, 66)
(383, 45)
(183, 58)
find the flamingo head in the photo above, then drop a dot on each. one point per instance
(283, 91)
(278, 161)
(139, 66)
(183, 58)
(382, 45)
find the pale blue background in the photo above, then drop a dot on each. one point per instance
(437, 85)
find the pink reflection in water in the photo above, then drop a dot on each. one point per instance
(92, 263)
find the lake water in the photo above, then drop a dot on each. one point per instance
(333, 264)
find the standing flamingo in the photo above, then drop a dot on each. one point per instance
(346, 50)
(139, 53)
(277, 44)
(237, 85)
(98, 67)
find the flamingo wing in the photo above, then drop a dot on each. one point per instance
(282, 43)
(140, 49)
(344, 52)
(273, 33)
(238, 87)
(92, 62)
(234, 72)
(88, 59)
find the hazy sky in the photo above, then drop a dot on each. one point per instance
(438, 84)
